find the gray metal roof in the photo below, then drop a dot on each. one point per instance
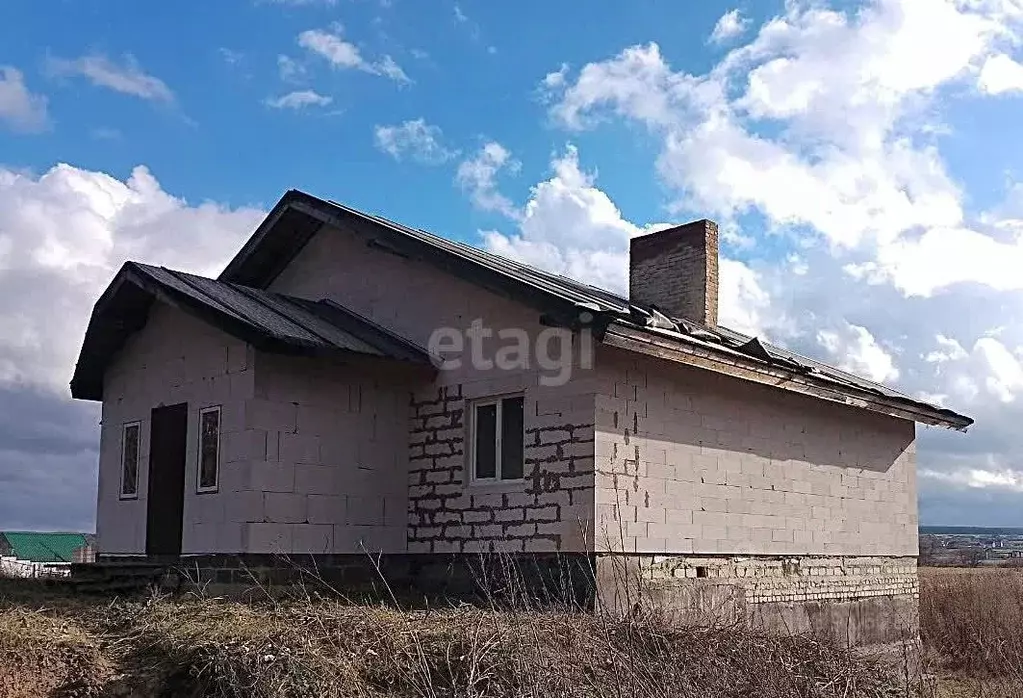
(279, 317)
(642, 316)
(270, 321)
(298, 216)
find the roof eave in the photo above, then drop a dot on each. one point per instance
(235, 269)
(736, 365)
(87, 381)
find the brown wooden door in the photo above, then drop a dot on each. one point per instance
(165, 505)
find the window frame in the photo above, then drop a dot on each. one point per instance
(215, 487)
(498, 401)
(121, 494)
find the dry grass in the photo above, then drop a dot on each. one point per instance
(45, 655)
(971, 624)
(325, 647)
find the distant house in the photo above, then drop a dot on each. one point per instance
(351, 385)
(32, 554)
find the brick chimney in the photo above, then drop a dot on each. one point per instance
(677, 270)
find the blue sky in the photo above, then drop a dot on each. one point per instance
(862, 158)
(477, 78)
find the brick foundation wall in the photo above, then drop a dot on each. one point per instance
(790, 579)
(548, 511)
(854, 600)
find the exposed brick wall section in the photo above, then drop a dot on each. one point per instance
(767, 579)
(436, 473)
(540, 513)
(677, 270)
(857, 601)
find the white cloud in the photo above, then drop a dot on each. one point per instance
(126, 78)
(389, 69)
(854, 349)
(817, 140)
(743, 303)
(20, 109)
(343, 54)
(289, 69)
(477, 177)
(1011, 480)
(850, 98)
(1004, 379)
(1000, 74)
(636, 84)
(556, 79)
(569, 226)
(948, 350)
(414, 138)
(65, 233)
(730, 25)
(299, 99)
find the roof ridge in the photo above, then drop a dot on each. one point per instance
(557, 296)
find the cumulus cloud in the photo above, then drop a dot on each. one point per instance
(299, 99)
(415, 139)
(850, 164)
(570, 226)
(854, 349)
(817, 136)
(20, 109)
(477, 176)
(1000, 74)
(730, 25)
(342, 55)
(63, 235)
(126, 77)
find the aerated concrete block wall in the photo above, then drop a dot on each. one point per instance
(327, 474)
(690, 461)
(553, 508)
(313, 454)
(175, 359)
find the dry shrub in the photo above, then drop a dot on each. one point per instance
(42, 655)
(325, 647)
(971, 622)
(328, 648)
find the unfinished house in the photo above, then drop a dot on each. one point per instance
(352, 385)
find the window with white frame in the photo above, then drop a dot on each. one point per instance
(498, 438)
(130, 436)
(209, 449)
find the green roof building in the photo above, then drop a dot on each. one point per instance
(43, 547)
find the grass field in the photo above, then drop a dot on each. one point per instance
(54, 644)
(971, 625)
